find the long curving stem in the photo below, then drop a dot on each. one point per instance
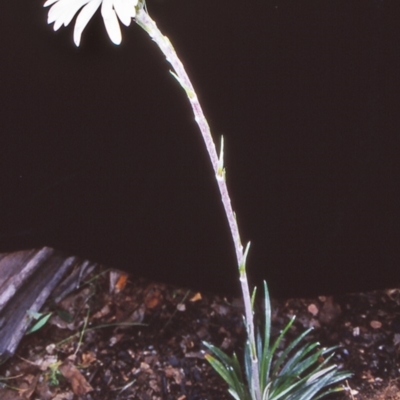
(144, 21)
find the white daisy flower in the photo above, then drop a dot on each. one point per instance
(62, 11)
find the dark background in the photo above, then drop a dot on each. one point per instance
(101, 157)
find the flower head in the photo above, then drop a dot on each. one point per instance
(62, 11)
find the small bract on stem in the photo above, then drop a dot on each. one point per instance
(62, 13)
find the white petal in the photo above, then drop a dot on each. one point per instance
(111, 21)
(73, 9)
(62, 12)
(57, 25)
(131, 5)
(83, 19)
(55, 12)
(121, 7)
(49, 3)
(134, 3)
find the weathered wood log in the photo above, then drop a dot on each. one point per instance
(27, 279)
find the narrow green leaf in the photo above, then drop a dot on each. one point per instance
(230, 371)
(253, 297)
(266, 358)
(242, 266)
(40, 323)
(221, 370)
(295, 364)
(283, 356)
(278, 340)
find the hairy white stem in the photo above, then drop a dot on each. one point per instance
(255, 388)
(144, 21)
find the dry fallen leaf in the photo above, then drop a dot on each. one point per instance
(79, 384)
(121, 283)
(153, 296)
(102, 313)
(88, 358)
(64, 396)
(196, 297)
(113, 280)
(7, 394)
(43, 391)
(28, 386)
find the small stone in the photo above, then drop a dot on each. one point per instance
(313, 309)
(50, 348)
(375, 324)
(396, 339)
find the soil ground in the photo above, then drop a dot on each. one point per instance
(119, 338)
